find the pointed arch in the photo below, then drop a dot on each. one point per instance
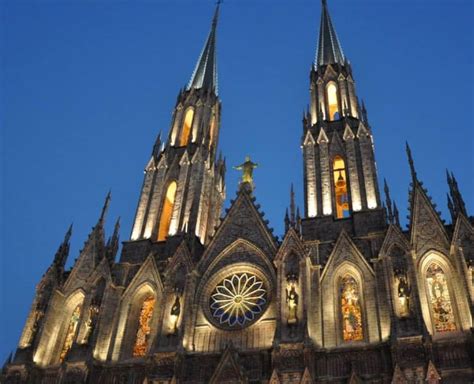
(350, 309)
(167, 211)
(440, 305)
(213, 129)
(340, 187)
(332, 100)
(186, 128)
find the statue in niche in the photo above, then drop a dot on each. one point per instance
(174, 314)
(91, 322)
(403, 289)
(292, 298)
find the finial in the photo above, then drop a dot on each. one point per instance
(388, 201)
(105, 208)
(216, 13)
(396, 214)
(411, 163)
(68, 234)
(247, 168)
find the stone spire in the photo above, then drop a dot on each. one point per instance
(411, 163)
(456, 203)
(329, 49)
(388, 202)
(63, 250)
(205, 72)
(292, 207)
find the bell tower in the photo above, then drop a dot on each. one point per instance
(340, 175)
(183, 189)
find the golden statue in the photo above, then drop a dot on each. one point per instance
(247, 168)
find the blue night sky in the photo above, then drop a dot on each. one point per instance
(87, 85)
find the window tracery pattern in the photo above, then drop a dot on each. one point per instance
(144, 329)
(440, 299)
(238, 300)
(71, 332)
(351, 310)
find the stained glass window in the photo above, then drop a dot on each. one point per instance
(238, 300)
(439, 299)
(144, 329)
(351, 310)
(71, 332)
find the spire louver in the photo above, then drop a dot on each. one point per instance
(329, 49)
(205, 73)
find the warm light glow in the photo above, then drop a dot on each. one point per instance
(71, 332)
(144, 329)
(351, 312)
(212, 130)
(167, 211)
(340, 188)
(332, 101)
(439, 299)
(186, 130)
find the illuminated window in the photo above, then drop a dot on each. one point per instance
(144, 329)
(167, 211)
(187, 124)
(332, 101)
(71, 332)
(340, 188)
(440, 300)
(351, 313)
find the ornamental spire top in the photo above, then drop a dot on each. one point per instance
(205, 72)
(329, 49)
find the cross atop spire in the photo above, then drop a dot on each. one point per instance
(329, 49)
(205, 72)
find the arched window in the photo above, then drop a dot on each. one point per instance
(167, 211)
(186, 129)
(71, 332)
(351, 312)
(439, 299)
(143, 332)
(333, 105)
(340, 187)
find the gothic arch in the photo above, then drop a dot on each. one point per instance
(441, 301)
(332, 97)
(344, 275)
(65, 328)
(131, 310)
(166, 212)
(186, 127)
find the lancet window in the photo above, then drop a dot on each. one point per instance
(333, 104)
(71, 332)
(167, 211)
(439, 299)
(351, 310)
(144, 328)
(186, 129)
(340, 188)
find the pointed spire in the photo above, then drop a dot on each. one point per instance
(329, 49)
(156, 146)
(105, 208)
(113, 243)
(396, 214)
(411, 163)
(388, 201)
(455, 198)
(63, 250)
(287, 221)
(205, 72)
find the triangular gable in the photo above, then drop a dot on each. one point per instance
(462, 230)
(336, 146)
(228, 370)
(346, 251)
(432, 375)
(348, 133)
(274, 379)
(398, 376)
(243, 221)
(354, 379)
(309, 139)
(291, 243)
(322, 137)
(181, 256)
(427, 230)
(306, 379)
(393, 236)
(148, 273)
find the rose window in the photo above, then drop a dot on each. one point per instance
(238, 300)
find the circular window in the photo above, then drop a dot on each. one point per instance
(238, 300)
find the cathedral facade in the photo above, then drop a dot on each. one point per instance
(345, 296)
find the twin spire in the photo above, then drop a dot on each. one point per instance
(329, 49)
(205, 73)
(204, 76)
